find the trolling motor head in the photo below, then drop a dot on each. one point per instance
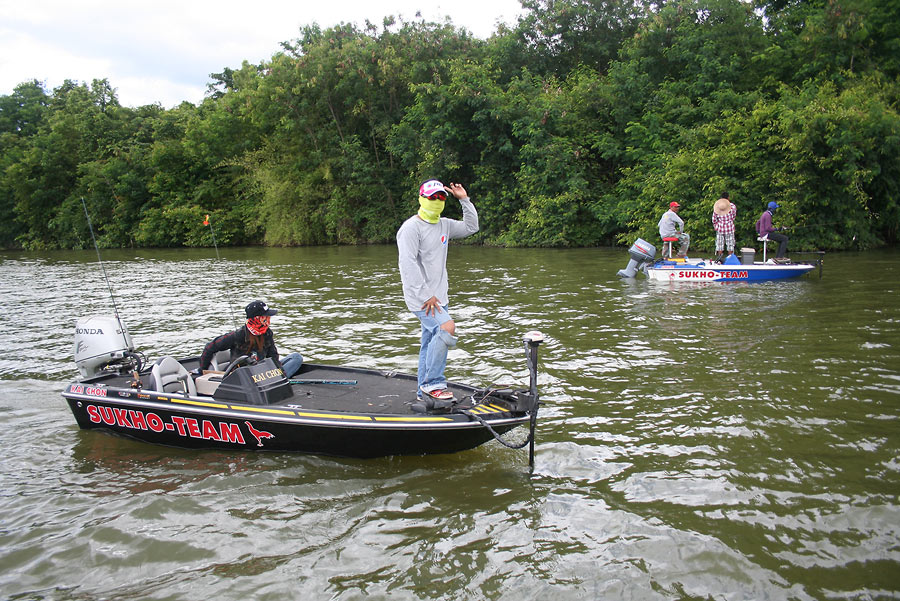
(641, 252)
(102, 342)
(533, 337)
(529, 402)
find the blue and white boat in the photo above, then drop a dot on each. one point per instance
(698, 270)
(674, 269)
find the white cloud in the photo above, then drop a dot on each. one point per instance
(26, 57)
(164, 51)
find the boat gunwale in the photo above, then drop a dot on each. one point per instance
(198, 405)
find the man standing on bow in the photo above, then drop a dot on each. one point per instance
(422, 242)
(723, 224)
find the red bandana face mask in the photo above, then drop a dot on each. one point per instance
(258, 325)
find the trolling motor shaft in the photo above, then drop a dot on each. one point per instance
(532, 340)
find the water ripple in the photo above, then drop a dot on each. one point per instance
(704, 441)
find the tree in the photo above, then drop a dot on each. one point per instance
(566, 34)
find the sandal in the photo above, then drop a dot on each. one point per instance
(439, 394)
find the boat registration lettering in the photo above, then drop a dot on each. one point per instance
(184, 426)
(267, 375)
(89, 390)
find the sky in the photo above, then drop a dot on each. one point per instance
(163, 51)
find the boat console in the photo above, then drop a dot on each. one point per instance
(262, 383)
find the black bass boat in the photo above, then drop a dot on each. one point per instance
(323, 409)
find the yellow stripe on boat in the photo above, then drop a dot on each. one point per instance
(200, 404)
(333, 416)
(413, 419)
(488, 409)
(262, 410)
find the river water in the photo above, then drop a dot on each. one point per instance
(696, 441)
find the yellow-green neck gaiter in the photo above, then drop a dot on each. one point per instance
(430, 210)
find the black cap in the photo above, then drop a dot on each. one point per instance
(257, 308)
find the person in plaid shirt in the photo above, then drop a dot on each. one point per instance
(723, 222)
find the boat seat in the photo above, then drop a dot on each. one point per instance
(171, 376)
(667, 243)
(765, 241)
(208, 383)
(220, 360)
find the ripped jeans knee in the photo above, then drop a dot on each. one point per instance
(447, 338)
(436, 341)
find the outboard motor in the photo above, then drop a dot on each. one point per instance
(641, 252)
(101, 341)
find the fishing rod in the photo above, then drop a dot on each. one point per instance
(795, 227)
(219, 259)
(105, 276)
(136, 359)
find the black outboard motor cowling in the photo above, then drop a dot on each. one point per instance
(259, 384)
(641, 252)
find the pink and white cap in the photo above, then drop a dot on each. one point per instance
(430, 187)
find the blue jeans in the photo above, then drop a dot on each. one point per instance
(291, 364)
(433, 352)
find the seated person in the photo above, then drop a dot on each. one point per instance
(672, 226)
(254, 339)
(765, 228)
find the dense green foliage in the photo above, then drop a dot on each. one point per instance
(576, 127)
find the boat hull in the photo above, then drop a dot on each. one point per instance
(664, 271)
(301, 423)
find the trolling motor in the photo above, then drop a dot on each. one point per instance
(525, 401)
(642, 253)
(522, 400)
(532, 340)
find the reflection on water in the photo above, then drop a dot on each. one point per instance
(703, 441)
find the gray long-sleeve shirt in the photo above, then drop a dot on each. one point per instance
(423, 254)
(670, 224)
